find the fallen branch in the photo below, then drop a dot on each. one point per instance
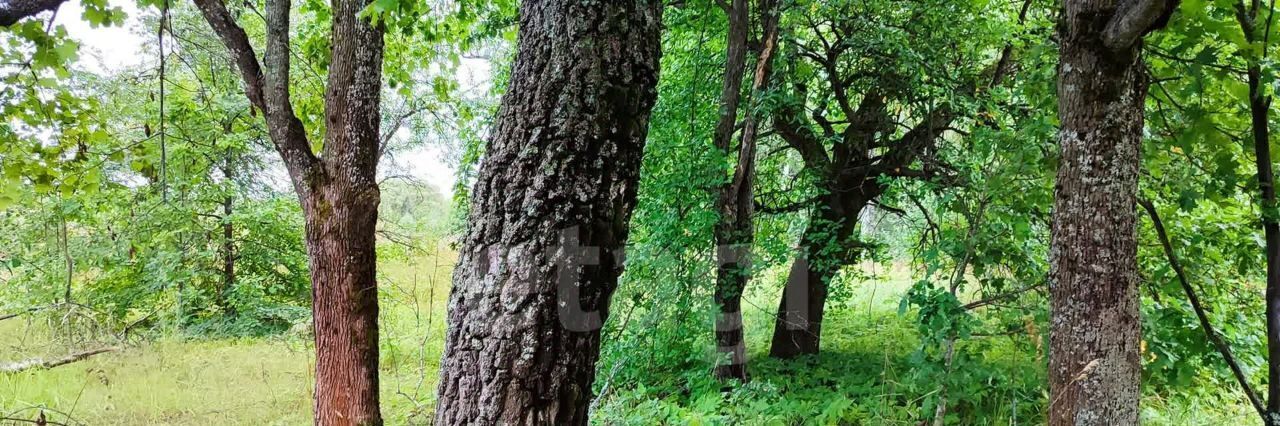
(40, 363)
(24, 312)
(41, 420)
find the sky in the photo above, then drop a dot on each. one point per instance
(104, 50)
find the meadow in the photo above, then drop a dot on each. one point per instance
(864, 376)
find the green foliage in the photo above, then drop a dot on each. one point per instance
(126, 205)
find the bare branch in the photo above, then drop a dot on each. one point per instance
(40, 363)
(999, 297)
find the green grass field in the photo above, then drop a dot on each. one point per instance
(240, 381)
(859, 379)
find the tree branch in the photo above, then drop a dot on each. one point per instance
(237, 43)
(12, 11)
(999, 297)
(1134, 19)
(789, 208)
(1209, 331)
(267, 91)
(40, 363)
(791, 126)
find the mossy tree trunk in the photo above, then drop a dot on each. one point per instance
(1094, 359)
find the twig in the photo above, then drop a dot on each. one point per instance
(999, 297)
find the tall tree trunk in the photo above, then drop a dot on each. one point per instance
(341, 223)
(736, 204)
(734, 232)
(1259, 105)
(338, 191)
(1094, 364)
(341, 218)
(733, 240)
(550, 211)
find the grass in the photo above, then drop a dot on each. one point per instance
(865, 374)
(242, 381)
(213, 382)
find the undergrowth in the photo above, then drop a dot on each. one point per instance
(870, 372)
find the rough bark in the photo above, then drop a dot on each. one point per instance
(550, 208)
(733, 239)
(1094, 364)
(338, 192)
(12, 11)
(342, 216)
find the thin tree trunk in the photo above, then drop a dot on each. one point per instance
(957, 278)
(68, 262)
(550, 210)
(1258, 106)
(228, 244)
(735, 231)
(1259, 103)
(733, 241)
(1094, 363)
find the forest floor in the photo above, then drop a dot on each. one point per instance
(257, 381)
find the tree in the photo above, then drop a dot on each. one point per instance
(733, 230)
(735, 200)
(1094, 361)
(14, 10)
(560, 173)
(338, 191)
(859, 124)
(1260, 133)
